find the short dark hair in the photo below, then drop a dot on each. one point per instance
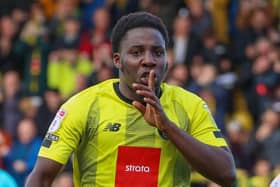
(135, 20)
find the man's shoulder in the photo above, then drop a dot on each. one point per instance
(89, 94)
(179, 93)
(94, 90)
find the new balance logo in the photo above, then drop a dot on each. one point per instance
(113, 127)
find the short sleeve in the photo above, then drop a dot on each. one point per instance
(204, 128)
(64, 132)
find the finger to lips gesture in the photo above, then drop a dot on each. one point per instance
(152, 112)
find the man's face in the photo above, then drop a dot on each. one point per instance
(141, 50)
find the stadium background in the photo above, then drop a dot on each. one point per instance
(226, 51)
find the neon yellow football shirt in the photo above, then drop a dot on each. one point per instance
(113, 145)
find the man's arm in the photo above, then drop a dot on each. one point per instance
(215, 163)
(44, 173)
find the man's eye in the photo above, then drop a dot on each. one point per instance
(136, 53)
(159, 53)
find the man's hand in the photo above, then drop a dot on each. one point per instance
(19, 166)
(152, 112)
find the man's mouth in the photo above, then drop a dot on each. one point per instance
(144, 79)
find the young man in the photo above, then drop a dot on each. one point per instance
(135, 130)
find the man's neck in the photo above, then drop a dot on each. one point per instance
(130, 93)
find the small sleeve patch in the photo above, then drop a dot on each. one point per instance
(46, 143)
(49, 138)
(55, 124)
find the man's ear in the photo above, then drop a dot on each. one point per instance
(117, 60)
(165, 70)
(166, 67)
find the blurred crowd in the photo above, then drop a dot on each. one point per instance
(226, 51)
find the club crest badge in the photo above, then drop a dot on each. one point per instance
(55, 124)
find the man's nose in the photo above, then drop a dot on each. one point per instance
(149, 59)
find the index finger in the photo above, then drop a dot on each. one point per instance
(151, 81)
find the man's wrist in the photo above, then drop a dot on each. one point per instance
(166, 127)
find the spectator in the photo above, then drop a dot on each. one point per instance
(102, 65)
(63, 10)
(104, 72)
(22, 156)
(69, 66)
(228, 79)
(265, 140)
(261, 175)
(178, 75)
(184, 42)
(238, 135)
(201, 18)
(99, 34)
(263, 46)
(71, 37)
(5, 144)
(29, 106)
(206, 85)
(46, 112)
(212, 50)
(264, 80)
(257, 26)
(10, 111)
(165, 9)
(102, 55)
(19, 16)
(196, 67)
(88, 9)
(8, 30)
(33, 48)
